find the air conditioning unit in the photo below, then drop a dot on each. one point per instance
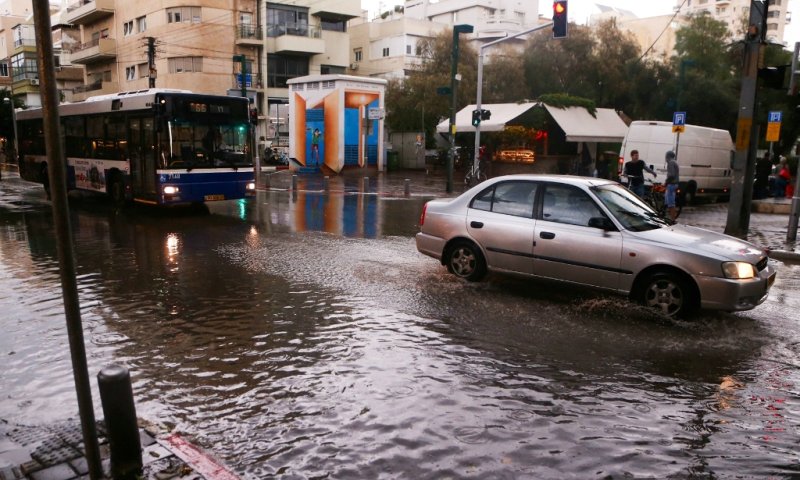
(35, 81)
(353, 66)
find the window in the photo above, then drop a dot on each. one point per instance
(281, 68)
(183, 15)
(283, 19)
(358, 55)
(772, 26)
(333, 25)
(3, 69)
(185, 64)
(408, 49)
(141, 24)
(565, 204)
(385, 51)
(331, 70)
(127, 28)
(130, 73)
(143, 69)
(509, 198)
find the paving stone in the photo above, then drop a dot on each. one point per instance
(80, 465)
(26, 436)
(10, 473)
(146, 438)
(12, 458)
(54, 453)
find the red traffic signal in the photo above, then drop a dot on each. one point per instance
(560, 19)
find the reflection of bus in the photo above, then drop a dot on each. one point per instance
(157, 147)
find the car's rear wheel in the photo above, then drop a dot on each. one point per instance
(668, 293)
(465, 260)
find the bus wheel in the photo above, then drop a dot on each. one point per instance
(116, 190)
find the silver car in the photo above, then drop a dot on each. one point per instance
(592, 232)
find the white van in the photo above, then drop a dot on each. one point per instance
(705, 155)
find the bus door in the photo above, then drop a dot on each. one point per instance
(143, 155)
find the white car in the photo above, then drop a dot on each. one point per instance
(592, 232)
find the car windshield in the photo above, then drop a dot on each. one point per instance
(628, 209)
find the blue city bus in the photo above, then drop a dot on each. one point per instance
(155, 146)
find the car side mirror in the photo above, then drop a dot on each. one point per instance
(602, 223)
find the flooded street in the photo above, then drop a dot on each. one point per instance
(303, 336)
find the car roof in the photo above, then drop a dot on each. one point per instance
(565, 179)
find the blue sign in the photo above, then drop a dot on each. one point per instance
(679, 118)
(775, 117)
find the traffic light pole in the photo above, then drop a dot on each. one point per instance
(738, 222)
(479, 92)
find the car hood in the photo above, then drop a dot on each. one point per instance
(702, 241)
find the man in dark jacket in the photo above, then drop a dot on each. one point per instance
(634, 170)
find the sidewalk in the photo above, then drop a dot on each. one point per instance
(769, 219)
(55, 452)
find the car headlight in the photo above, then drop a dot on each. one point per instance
(740, 270)
(251, 186)
(170, 190)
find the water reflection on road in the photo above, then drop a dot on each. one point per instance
(304, 337)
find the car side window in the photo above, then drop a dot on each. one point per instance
(509, 198)
(567, 204)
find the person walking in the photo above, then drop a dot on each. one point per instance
(672, 181)
(315, 146)
(781, 179)
(634, 170)
(763, 171)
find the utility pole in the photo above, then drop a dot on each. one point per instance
(738, 222)
(66, 259)
(151, 60)
(463, 28)
(242, 59)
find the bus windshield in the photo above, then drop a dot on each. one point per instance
(189, 144)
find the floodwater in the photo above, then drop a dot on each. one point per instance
(304, 337)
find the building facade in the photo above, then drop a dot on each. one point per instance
(736, 13)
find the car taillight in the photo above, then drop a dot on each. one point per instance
(422, 215)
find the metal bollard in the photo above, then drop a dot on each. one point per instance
(294, 182)
(116, 395)
(407, 187)
(365, 184)
(326, 183)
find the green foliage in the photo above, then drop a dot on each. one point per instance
(562, 100)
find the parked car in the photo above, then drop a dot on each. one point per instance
(592, 232)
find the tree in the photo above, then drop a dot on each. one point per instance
(413, 104)
(502, 72)
(707, 84)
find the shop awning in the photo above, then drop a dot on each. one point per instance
(580, 126)
(502, 113)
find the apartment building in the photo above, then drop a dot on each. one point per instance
(735, 13)
(387, 46)
(238, 47)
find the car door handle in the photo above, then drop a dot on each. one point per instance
(547, 235)
(475, 224)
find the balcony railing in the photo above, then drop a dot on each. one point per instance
(96, 85)
(249, 32)
(294, 29)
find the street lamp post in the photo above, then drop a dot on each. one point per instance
(10, 103)
(463, 28)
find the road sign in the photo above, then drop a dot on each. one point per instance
(774, 126)
(375, 113)
(678, 122)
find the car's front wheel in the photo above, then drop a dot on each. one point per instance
(465, 260)
(668, 293)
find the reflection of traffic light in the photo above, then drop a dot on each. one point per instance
(560, 19)
(254, 116)
(476, 118)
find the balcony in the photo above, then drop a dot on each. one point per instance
(95, 88)
(249, 35)
(84, 12)
(98, 50)
(297, 39)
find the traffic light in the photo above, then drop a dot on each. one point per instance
(486, 114)
(254, 115)
(560, 19)
(476, 117)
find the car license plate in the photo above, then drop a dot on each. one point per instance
(211, 198)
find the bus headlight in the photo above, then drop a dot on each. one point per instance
(170, 190)
(739, 270)
(251, 186)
